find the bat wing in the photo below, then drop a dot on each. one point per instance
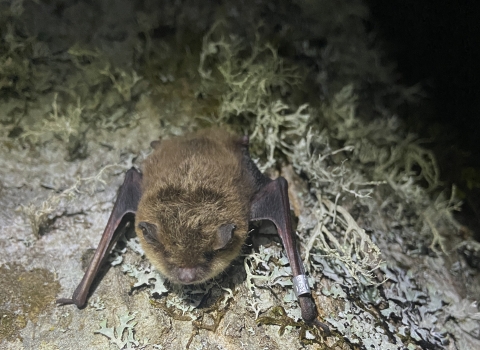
(271, 203)
(126, 203)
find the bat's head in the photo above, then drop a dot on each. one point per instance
(192, 235)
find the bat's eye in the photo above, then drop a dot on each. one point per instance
(224, 236)
(149, 232)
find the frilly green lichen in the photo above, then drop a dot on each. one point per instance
(252, 89)
(57, 124)
(386, 156)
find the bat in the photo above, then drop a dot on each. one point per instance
(192, 207)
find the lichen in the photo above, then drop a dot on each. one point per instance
(145, 277)
(362, 328)
(252, 89)
(374, 222)
(123, 335)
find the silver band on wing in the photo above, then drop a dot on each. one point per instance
(300, 285)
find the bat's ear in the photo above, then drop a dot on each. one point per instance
(224, 236)
(149, 232)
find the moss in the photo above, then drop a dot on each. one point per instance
(23, 296)
(278, 316)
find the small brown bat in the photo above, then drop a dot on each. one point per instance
(193, 206)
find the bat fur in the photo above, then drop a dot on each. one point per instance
(193, 186)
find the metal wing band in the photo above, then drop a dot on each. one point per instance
(300, 285)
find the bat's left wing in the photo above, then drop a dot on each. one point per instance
(271, 203)
(126, 203)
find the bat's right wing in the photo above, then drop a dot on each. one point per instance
(126, 203)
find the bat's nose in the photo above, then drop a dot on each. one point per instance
(187, 274)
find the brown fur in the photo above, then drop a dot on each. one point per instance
(191, 186)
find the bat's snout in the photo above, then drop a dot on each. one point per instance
(187, 275)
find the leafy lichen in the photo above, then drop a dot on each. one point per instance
(123, 335)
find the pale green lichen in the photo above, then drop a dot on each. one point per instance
(146, 276)
(252, 90)
(354, 249)
(361, 327)
(336, 235)
(341, 257)
(59, 124)
(389, 156)
(123, 336)
(335, 291)
(419, 309)
(98, 70)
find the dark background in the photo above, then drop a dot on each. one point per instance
(438, 44)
